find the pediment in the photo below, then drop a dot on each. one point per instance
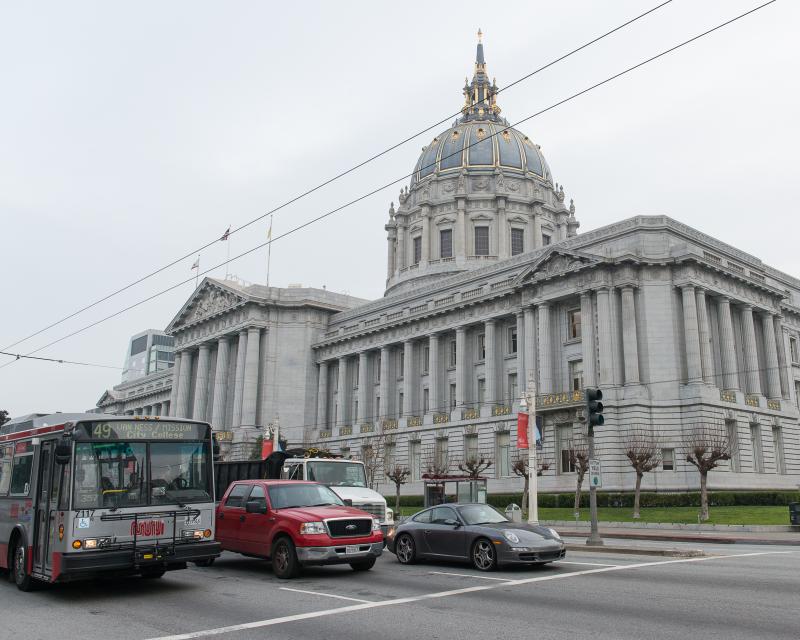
(211, 298)
(107, 398)
(556, 262)
(445, 220)
(518, 218)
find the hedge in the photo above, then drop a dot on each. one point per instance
(647, 499)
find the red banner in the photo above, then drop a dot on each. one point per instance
(267, 447)
(522, 431)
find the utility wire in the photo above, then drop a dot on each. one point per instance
(18, 356)
(329, 181)
(404, 177)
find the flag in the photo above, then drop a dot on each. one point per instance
(269, 233)
(225, 235)
(196, 265)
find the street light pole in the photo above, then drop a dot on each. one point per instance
(533, 488)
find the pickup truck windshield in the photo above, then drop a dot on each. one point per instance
(337, 474)
(289, 496)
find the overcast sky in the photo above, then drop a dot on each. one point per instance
(131, 133)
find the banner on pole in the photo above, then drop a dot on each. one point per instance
(522, 431)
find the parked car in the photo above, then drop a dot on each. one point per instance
(296, 524)
(474, 532)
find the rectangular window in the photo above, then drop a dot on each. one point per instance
(400, 400)
(481, 346)
(440, 455)
(415, 460)
(389, 453)
(237, 495)
(426, 400)
(573, 324)
(513, 391)
(545, 239)
(355, 409)
(452, 396)
(426, 359)
(777, 446)
(5, 469)
(755, 440)
(417, 249)
(733, 442)
(453, 352)
(481, 392)
(576, 375)
(517, 241)
(565, 449)
(471, 446)
(481, 241)
(446, 243)
(793, 349)
(668, 459)
(378, 415)
(512, 340)
(21, 472)
(356, 367)
(503, 455)
(797, 394)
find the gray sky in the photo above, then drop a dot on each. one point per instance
(132, 133)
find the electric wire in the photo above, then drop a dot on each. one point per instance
(18, 356)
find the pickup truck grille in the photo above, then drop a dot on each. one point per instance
(349, 528)
(373, 508)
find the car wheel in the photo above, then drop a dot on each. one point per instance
(284, 559)
(363, 565)
(153, 574)
(19, 566)
(405, 549)
(205, 562)
(484, 556)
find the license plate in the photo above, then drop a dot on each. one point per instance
(190, 520)
(352, 548)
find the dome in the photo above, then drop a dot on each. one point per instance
(480, 144)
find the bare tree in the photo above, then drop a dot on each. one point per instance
(436, 461)
(475, 463)
(398, 474)
(706, 444)
(373, 451)
(578, 457)
(519, 465)
(643, 451)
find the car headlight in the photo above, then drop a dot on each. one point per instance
(511, 536)
(376, 524)
(389, 516)
(312, 528)
(555, 534)
(390, 532)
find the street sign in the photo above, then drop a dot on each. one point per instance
(595, 475)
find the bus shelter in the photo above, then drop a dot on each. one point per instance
(439, 489)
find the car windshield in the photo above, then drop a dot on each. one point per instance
(289, 496)
(481, 514)
(337, 474)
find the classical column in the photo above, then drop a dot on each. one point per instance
(166, 408)
(434, 375)
(384, 388)
(503, 232)
(545, 350)
(530, 348)
(694, 369)
(173, 392)
(220, 383)
(771, 357)
(750, 353)
(785, 367)
(604, 337)
(521, 361)
(363, 391)
(322, 396)
(250, 387)
(342, 413)
(238, 380)
(704, 331)
(630, 343)
(460, 249)
(727, 345)
(490, 366)
(409, 379)
(587, 340)
(184, 382)
(426, 234)
(201, 383)
(461, 343)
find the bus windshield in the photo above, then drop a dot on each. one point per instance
(337, 474)
(135, 474)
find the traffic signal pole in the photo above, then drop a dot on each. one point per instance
(594, 417)
(594, 534)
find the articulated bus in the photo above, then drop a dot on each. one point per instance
(83, 495)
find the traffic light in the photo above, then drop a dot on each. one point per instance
(594, 409)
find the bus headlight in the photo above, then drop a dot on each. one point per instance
(93, 543)
(389, 516)
(197, 534)
(90, 543)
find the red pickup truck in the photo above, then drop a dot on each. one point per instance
(296, 524)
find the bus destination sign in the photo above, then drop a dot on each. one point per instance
(125, 430)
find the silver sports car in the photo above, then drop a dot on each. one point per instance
(474, 532)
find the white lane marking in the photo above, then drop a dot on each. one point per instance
(466, 575)
(327, 595)
(591, 564)
(444, 594)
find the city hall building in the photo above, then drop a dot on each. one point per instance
(489, 284)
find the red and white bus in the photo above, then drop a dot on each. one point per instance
(83, 495)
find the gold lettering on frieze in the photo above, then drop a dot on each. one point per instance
(501, 411)
(775, 405)
(751, 400)
(727, 396)
(414, 421)
(324, 434)
(440, 418)
(470, 414)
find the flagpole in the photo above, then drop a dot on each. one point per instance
(197, 274)
(228, 257)
(269, 249)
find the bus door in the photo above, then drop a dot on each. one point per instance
(43, 513)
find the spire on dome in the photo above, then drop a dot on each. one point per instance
(479, 95)
(479, 55)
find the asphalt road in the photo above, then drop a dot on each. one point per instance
(740, 592)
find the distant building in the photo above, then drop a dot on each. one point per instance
(148, 352)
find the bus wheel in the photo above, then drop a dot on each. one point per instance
(153, 574)
(19, 563)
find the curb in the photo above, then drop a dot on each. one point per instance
(663, 537)
(639, 551)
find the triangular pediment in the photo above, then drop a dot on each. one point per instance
(107, 398)
(211, 298)
(555, 262)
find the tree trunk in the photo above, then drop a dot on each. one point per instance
(397, 500)
(636, 495)
(703, 495)
(578, 492)
(524, 504)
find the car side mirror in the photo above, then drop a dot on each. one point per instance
(255, 506)
(347, 502)
(453, 523)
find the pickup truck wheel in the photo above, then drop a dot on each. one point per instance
(363, 565)
(284, 559)
(205, 562)
(153, 574)
(405, 549)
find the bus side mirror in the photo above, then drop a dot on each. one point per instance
(63, 452)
